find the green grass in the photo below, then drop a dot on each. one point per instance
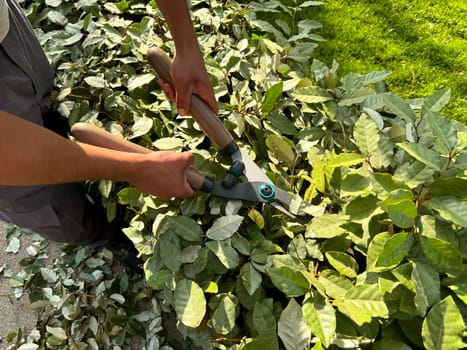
(423, 42)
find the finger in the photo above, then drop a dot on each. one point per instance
(167, 88)
(183, 98)
(189, 158)
(207, 95)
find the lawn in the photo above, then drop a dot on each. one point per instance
(422, 42)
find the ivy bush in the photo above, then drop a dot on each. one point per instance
(378, 261)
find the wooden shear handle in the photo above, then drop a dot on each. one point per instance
(204, 116)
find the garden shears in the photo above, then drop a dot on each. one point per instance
(258, 187)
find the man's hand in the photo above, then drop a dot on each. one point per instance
(33, 155)
(188, 71)
(163, 174)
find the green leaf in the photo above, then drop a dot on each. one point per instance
(97, 82)
(335, 285)
(401, 207)
(385, 183)
(360, 209)
(169, 144)
(272, 97)
(57, 332)
(437, 100)
(289, 280)
(366, 135)
(450, 208)
(395, 249)
(223, 319)
(137, 81)
(312, 94)
(263, 319)
(186, 228)
(458, 285)
(320, 316)
(261, 343)
(443, 255)
(399, 107)
(281, 148)
(443, 327)
(326, 226)
(227, 255)
(251, 278)
(375, 249)
(292, 328)
(445, 136)
(141, 126)
(282, 124)
(224, 227)
(375, 77)
(354, 97)
(414, 174)
(424, 155)
(427, 286)
(154, 279)
(461, 160)
(345, 160)
(256, 217)
(169, 246)
(319, 175)
(454, 186)
(384, 154)
(363, 302)
(343, 263)
(190, 304)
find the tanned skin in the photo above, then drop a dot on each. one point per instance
(33, 155)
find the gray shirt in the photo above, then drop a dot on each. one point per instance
(4, 20)
(26, 77)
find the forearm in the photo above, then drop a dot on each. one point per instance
(177, 15)
(33, 155)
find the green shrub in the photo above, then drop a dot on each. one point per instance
(379, 259)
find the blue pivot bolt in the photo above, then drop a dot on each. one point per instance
(266, 191)
(234, 172)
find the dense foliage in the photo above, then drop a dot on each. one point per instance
(380, 258)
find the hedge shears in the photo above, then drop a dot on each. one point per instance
(258, 187)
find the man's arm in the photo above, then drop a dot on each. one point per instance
(188, 70)
(33, 155)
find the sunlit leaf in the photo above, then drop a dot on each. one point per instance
(312, 94)
(442, 254)
(443, 327)
(290, 281)
(343, 263)
(326, 226)
(224, 227)
(366, 135)
(424, 155)
(320, 316)
(451, 208)
(363, 302)
(227, 255)
(437, 100)
(445, 136)
(223, 319)
(190, 304)
(292, 328)
(399, 107)
(281, 148)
